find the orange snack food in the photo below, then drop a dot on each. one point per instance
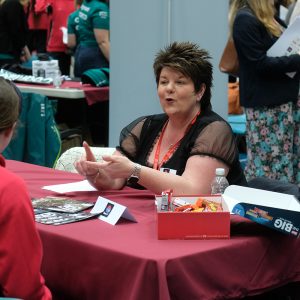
(200, 201)
(199, 209)
(201, 205)
(183, 207)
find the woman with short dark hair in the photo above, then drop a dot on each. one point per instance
(189, 138)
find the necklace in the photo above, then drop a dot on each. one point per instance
(172, 148)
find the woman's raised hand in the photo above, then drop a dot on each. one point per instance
(81, 166)
(110, 173)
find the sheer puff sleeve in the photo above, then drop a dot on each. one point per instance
(130, 138)
(216, 140)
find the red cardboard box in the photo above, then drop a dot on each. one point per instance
(194, 225)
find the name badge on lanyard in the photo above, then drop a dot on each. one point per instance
(168, 170)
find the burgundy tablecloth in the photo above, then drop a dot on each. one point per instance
(95, 260)
(92, 94)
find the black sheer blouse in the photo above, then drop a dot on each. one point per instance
(210, 136)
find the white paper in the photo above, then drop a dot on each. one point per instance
(282, 12)
(78, 186)
(111, 211)
(237, 194)
(288, 43)
(44, 68)
(65, 34)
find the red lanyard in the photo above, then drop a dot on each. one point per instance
(157, 165)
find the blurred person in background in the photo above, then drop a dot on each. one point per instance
(73, 28)
(38, 26)
(58, 11)
(268, 95)
(13, 32)
(94, 47)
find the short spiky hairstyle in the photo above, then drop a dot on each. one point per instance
(192, 62)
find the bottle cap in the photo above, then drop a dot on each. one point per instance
(220, 172)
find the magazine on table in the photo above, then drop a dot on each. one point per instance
(60, 218)
(60, 204)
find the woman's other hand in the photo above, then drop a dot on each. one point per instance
(107, 174)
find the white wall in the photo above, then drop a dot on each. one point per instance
(139, 28)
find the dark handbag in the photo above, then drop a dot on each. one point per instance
(229, 62)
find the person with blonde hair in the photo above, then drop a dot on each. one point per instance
(267, 92)
(20, 244)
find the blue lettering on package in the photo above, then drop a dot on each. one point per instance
(239, 210)
(285, 221)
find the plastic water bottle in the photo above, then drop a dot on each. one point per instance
(57, 79)
(220, 183)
